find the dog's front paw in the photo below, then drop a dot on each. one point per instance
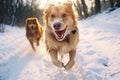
(58, 64)
(69, 65)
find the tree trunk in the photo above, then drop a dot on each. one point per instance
(103, 5)
(79, 9)
(118, 3)
(111, 3)
(97, 6)
(85, 9)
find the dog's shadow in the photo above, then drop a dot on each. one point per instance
(65, 75)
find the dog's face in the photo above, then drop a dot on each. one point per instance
(60, 20)
(31, 24)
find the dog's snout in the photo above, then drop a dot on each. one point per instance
(57, 26)
(32, 27)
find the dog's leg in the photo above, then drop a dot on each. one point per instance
(32, 45)
(38, 41)
(54, 57)
(71, 62)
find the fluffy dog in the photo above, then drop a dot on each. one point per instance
(61, 33)
(34, 31)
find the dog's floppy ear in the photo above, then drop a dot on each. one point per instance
(69, 4)
(71, 10)
(48, 8)
(26, 22)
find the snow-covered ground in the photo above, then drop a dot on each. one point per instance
(98, 53)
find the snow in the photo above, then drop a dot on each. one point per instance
(97, 53)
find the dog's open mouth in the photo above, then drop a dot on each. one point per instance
(60, 34)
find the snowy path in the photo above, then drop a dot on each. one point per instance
(97, 53)
(19, 62)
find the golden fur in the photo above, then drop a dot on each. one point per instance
(34, 31)
(61, 33)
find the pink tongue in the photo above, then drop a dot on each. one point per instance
(59, 35)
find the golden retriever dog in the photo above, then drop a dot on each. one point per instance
(34, 31)
(61, 33)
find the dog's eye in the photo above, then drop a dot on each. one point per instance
(64, 15)
(34, 22)
(52, 16)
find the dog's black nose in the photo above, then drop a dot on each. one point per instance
(57, 26)
(32, 27)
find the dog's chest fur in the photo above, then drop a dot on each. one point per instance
(64, 46)
(33, 35)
